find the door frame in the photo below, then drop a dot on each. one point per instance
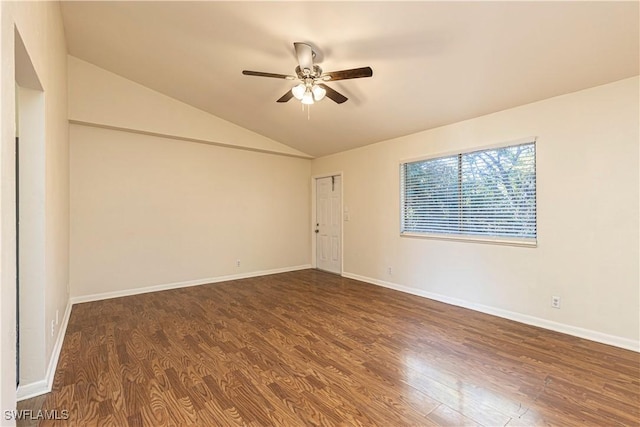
(314, 178)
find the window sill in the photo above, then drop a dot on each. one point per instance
(527, 243)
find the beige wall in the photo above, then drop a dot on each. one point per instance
(588, 193)
(40, 27)
(149, 211)
(152, 208)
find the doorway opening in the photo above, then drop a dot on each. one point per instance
(29, 219)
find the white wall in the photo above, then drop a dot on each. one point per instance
(588, 194)
(149, 211)
(40, 27)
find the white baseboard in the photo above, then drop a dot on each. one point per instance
(511, 315)
(176, 285)
(27, 391)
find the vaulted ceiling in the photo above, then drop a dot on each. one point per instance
(434, 63)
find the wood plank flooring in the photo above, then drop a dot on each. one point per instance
(309, 348)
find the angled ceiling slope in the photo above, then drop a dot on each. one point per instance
(126, 105)
(434, 63)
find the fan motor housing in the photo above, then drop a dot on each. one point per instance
(315, 73)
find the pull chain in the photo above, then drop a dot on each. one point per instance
(308, 111)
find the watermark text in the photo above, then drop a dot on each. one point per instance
(42, 414)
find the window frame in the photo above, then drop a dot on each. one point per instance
(499, 240)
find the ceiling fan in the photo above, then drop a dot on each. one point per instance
(312, 87)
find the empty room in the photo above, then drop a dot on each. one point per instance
(317, 213)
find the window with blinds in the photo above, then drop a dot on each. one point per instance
(483, 195)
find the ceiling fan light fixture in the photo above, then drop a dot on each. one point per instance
(298, 91)
(307, 98)
(310, 87)
(318, 92)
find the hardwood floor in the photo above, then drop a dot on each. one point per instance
(311, 348)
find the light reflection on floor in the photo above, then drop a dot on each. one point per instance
(425, 375)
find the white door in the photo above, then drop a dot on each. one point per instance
(329, 224)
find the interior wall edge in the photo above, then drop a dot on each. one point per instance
(197, 282)
(575, 331)
(184, 138)
(36, 388)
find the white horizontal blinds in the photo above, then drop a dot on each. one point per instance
(432, 202)
(489, 193)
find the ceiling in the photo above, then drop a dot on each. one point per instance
(434, 63)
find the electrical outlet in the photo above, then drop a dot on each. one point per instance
(237, 263)
(389, 271)
(57, 316)
(53, 328)
(555, 302)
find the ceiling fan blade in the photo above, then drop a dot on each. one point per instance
(305, 55)
(355, 73)
(334, 95)
(287, 96)
(261, 74)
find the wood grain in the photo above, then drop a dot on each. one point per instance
(312, 348)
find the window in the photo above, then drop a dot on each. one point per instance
(487, 195)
